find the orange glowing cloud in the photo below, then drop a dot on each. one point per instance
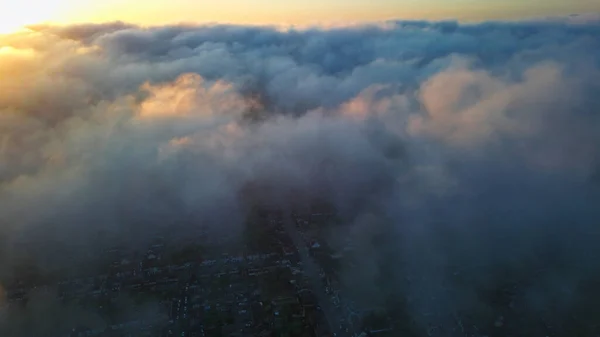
(190, 95)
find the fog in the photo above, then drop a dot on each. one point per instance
(471, 149)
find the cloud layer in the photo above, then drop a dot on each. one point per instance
(472, 147)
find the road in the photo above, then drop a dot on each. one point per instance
(312, 270)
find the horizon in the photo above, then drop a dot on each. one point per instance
(16, 16)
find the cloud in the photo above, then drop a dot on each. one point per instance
(188, 97)
(445, 148)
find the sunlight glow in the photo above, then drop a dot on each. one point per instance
(15, 15)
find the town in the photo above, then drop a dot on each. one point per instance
(282, 282)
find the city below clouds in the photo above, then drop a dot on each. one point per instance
(472, 145)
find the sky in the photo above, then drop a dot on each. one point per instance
(14, 14)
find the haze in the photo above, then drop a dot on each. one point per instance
(15, 14)
(460, 160)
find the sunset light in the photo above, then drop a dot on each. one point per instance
(15, 15)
